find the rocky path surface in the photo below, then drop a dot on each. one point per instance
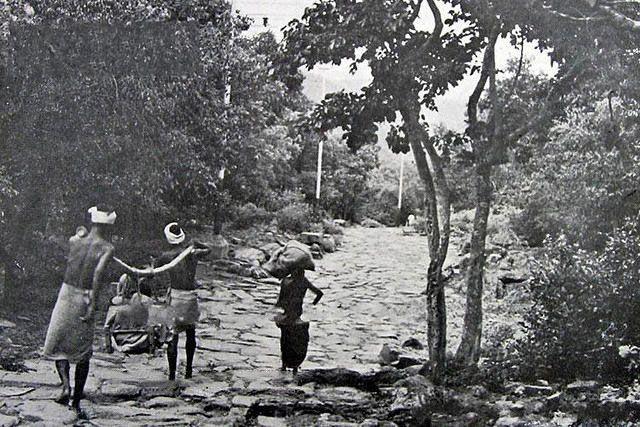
(372, 289)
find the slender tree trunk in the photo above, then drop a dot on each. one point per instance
(469, 350)
(437, 241)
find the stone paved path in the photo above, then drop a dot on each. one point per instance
(372, 291)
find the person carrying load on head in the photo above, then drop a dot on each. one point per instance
(70, 333)
(183, 299)
(289, 264)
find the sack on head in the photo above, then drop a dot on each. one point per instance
(293, 256)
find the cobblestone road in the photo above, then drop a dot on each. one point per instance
(372, 296)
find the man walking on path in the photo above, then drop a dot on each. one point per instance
(183, 298)
(70, 333)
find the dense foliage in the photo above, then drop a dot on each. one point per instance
(124, 104)
(586, 308)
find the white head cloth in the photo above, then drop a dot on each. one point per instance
(100, 217)
(174, 239)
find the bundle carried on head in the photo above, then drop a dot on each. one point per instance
(293, 256)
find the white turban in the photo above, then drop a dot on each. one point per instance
(174, 239)
(100, 217)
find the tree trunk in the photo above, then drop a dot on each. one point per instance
(484, 145)
(437, 241)
(468, 352)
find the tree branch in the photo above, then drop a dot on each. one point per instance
(571, 17)
(417, 5)
(623, 20)
(472, 105)
(551, 98)
(512, 90)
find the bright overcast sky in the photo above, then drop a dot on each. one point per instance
(452, 106)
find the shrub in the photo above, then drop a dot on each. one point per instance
(283, 199)
(328, 227)
(295, 218)
(534, 224)
(585, 308)
(249, 214)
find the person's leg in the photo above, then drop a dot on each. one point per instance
(283, 344)
(108, 346)
(82, 371)
(172, 356)
(62, 366)
(191, 350)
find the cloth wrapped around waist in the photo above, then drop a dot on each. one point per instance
(185, 308)
(68, 336)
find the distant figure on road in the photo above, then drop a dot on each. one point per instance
(183, 298)
(294, 338)
(70, 333)
(411, 220)
(288, 264)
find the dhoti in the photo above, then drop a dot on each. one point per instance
(294, 341)
(69, 337)
(186, 310)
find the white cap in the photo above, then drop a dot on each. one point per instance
(99, 217)
(174, 239)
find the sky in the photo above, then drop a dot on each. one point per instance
(451, 106)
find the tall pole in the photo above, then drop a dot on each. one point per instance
(401, 179)
(319, 173)
(320, 146)
(219, 213)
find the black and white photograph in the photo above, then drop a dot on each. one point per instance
(322, 213)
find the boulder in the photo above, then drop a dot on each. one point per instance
(328, 243)
(244, 401)
(309, 238)
(388, 355)
(400, 358)
(536, 390)
(478, 391)
(413, 343)
(219, 247)
(582, 386)
(316, 251)
(253, 255)
(8, 421)
(371, 223)
(236, 241)
(330, 227)
(120, 390)
(162, 402)
(270, 248)
(372, 422)
(263, 421)
(509, 421)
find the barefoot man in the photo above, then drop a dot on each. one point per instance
(70, 334)
(183, 297)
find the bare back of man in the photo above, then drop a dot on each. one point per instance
(85, 254)
(70, 334)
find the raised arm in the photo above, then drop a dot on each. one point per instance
(200, 249)
(153, 271)
(316, 291)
